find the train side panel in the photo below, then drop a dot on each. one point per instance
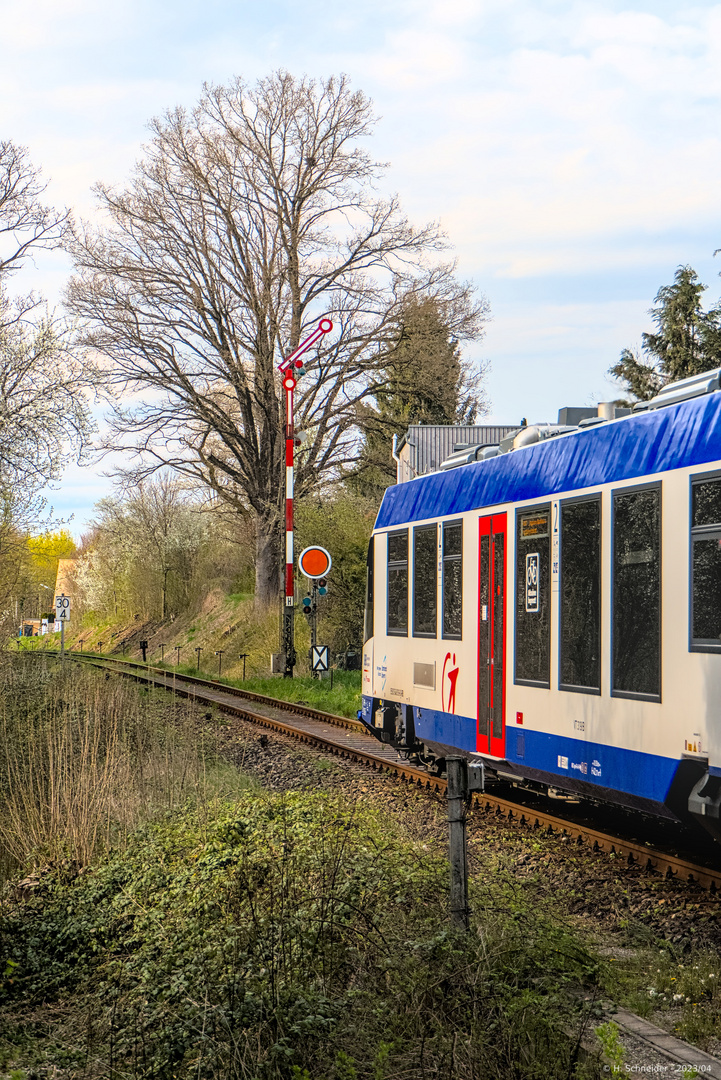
(599, 743)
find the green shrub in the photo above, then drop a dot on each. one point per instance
(283, 937)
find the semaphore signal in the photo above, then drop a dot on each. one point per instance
(290, 368)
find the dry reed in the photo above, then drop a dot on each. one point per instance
(83, 759)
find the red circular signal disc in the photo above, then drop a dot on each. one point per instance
(314, 562)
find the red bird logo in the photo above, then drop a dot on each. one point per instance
(452, 675)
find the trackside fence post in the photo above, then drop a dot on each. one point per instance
(457, 774)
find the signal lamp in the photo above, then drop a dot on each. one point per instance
(322, 590)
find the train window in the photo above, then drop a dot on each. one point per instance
(580, 596)
(637, 593)
(368, 614)
(706, 565)
(453, 580)
(706, 503)
(425, 581)
(398, 582)
(533, 597)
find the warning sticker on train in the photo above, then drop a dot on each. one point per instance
(319, 658)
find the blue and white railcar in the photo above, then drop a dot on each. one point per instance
(555, 611)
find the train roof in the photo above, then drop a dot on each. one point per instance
(642, 445)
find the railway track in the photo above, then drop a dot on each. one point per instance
(349, 739)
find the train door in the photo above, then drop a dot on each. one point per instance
(491, 635)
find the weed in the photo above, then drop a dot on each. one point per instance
(287, 937)
(613, 1049)
(83, 760)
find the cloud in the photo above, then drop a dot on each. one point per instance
(563, 143)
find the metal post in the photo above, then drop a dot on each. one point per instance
(457, 773)
(198, 651)
(242, 656)
(162, 654)
(288, 369)
(314, 622)
(177, 658)
(314, 609)
(288, 609)
(219, 654)
(62, 642)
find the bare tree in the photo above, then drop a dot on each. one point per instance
(140, 539)
(44, 416)
(44, 413)
(247, 220)
(25, 222)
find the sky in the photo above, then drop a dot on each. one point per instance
(571, 151)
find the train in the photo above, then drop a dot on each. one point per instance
(550, 608)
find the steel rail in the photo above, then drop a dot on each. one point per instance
(261, 699)
(634, 853)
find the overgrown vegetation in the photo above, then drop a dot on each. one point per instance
(168, 919)
(84, 759)
(283, 936)
(682, 984)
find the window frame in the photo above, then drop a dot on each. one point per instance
(416, 530)
(369, 606)
(597, 496)
(701, 531)
(522, 511)
(397, 532)
(633, 695)
(451, 558)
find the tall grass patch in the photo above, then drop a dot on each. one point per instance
(84, 758)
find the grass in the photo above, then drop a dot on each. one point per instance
(683, 985)
(343, 699)
(165, 918)
(284, 937)
(84, 759)
(173, 920)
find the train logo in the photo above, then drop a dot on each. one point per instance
(452, 675)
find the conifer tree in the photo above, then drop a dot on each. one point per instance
(424, 380)
(687, 340)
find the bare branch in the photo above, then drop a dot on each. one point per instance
(248, 220)
(25, 223)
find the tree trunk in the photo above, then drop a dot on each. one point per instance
(268, 568)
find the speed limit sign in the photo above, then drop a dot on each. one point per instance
(62, 608)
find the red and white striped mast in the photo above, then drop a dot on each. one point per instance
(289, 369)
